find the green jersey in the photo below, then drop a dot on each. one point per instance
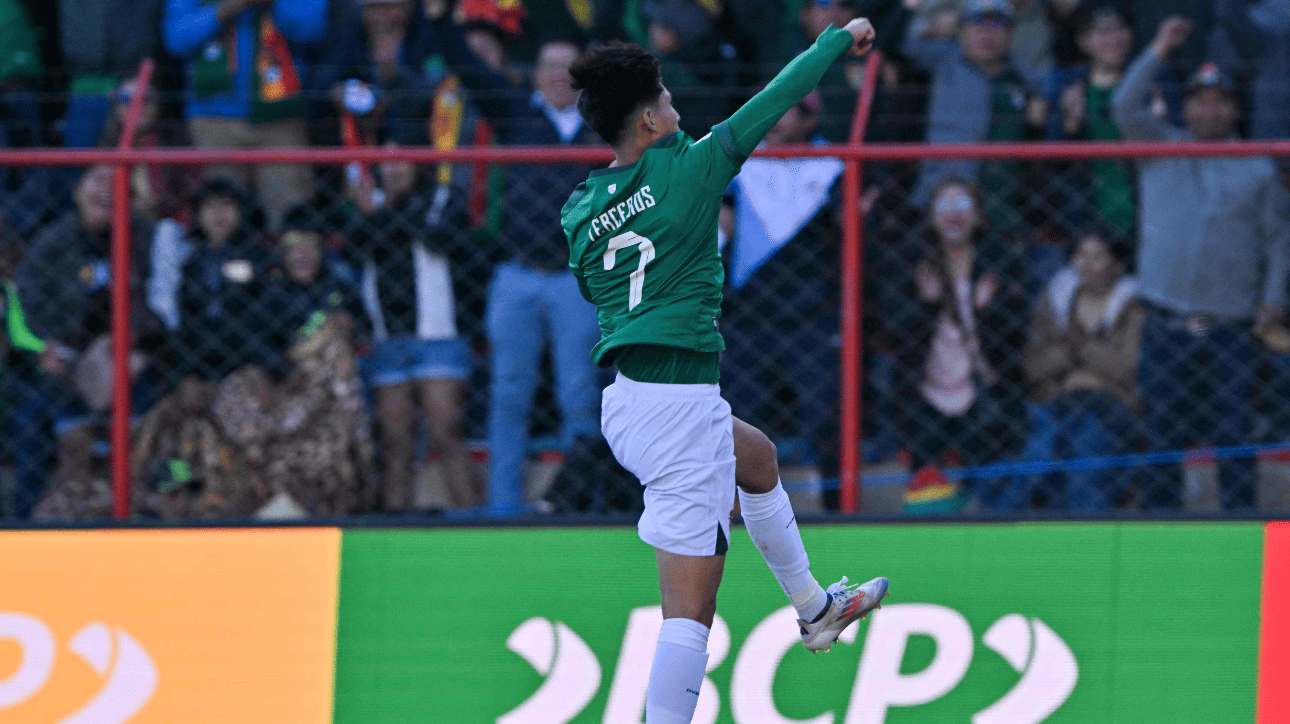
(643, 237)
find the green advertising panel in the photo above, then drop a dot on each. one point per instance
(989, 624)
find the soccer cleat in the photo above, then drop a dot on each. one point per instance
(846, 604)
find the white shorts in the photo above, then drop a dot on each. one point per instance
(679, 440)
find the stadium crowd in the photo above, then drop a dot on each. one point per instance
(305, 337)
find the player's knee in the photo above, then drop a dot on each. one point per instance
(756, 460)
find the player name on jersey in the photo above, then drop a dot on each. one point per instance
(615, 216)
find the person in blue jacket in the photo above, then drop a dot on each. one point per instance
(246, 84)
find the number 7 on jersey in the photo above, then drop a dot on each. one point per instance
(622, 241)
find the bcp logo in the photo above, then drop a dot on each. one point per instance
(1048, 669)
(128, 672)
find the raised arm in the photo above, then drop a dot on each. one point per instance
(493, 92)
(1131, 104)
(713, 160)
(749, 125)
(925, 48)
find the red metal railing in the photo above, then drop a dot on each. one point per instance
(1026, 150)
(853, 154)
(121, 301)
(851, 409)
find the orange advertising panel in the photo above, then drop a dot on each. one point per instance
(153, 627)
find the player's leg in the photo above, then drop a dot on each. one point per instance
(677, 440)
(768, 516)
(688, 585)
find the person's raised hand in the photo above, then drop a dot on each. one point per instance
(1172, 33)
(862, 34)
(1074, 105)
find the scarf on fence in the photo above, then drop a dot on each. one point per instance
(276, 90)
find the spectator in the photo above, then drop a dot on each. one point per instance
(30, 385)
(1079, 108)
(534, 297)
(1030, 44)
(244, 84)
(219, 450)
(1213, 262)
(402, 246)
(157, 192)
(1149, 14)
(841, 81)
(20, 71)
(685, 40)
(307, 285)
(221, 283)
(103, 42)
(1260, 32)
(373, 68)
(958, 336)
(1081, 360)
(64, 283)
(27, 196)
(977, 95)
(320, 453)
(780, 316)
(684, 37)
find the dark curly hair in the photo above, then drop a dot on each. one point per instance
(615, 80)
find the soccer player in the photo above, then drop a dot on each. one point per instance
(643, 245)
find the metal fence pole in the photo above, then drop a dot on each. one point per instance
(121, 239)
(851, 408)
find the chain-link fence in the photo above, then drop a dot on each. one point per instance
(408, 339)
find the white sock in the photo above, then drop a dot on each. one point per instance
(773, 527)
(680, 661)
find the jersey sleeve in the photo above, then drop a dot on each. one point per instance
(714, 160)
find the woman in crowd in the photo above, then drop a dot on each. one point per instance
(958, 335)
(400, 241)
(1081, 361)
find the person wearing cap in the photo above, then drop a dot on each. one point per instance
(221, 284)
(534, 298)
(245, 84)
(977, 96)
(1212, 265)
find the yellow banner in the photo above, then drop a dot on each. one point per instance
(153, 627)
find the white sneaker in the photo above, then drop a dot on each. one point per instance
(846, 604)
